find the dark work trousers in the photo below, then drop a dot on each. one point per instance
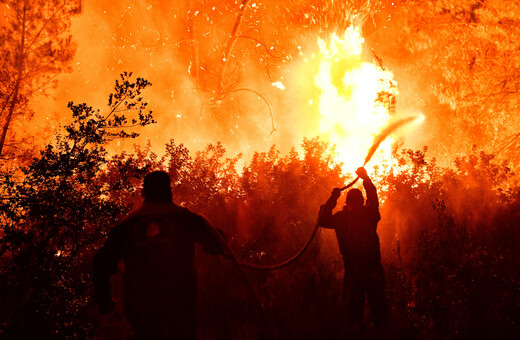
(171, 323)
(369, 284)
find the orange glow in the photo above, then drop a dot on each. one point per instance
(274, 101)
(350, 113)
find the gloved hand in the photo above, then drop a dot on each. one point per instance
(362, 173)
(336, 192)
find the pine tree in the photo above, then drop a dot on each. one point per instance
(34, 48)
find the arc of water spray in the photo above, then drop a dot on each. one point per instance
(379, 139)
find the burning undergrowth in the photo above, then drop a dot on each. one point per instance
(449, 235)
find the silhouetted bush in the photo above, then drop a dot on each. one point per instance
(449, 236)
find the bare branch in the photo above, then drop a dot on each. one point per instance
(231, 41)
(273, 128)
(44, 25)
(510, 141)
(260, 43)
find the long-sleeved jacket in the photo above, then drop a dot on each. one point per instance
(356, 231)
(157, 246)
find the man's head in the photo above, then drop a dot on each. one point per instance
(156, 187)
(354, 199)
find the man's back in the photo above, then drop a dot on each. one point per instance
(159, 255)
(356, 229)
(358, 241)
(157, 245)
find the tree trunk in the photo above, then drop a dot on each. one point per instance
(231, 43)
(14, 99)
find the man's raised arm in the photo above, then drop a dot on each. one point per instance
(370, 189)
(325, 214)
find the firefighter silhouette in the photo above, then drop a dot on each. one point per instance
(356, 231)
(157, 245)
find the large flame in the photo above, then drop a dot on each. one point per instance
(349, 105)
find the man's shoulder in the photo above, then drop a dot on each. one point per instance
(157, 208)
(341, 213)
(185, 212)
(340, 216)
(371, 209)
(166, 211)
(160, 212)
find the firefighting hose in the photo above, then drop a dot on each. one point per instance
(230, 255)
(377, 141)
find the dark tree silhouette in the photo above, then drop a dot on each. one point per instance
(54, 210)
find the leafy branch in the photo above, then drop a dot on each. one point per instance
(91, 127)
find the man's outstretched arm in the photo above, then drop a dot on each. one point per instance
(210, 237)
(325, 214)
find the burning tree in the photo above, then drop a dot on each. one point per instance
(464, 55)
(239, 57)
(34, 49)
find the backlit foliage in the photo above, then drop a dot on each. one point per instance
(449, 235)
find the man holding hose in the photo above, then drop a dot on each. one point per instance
(356, 231)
